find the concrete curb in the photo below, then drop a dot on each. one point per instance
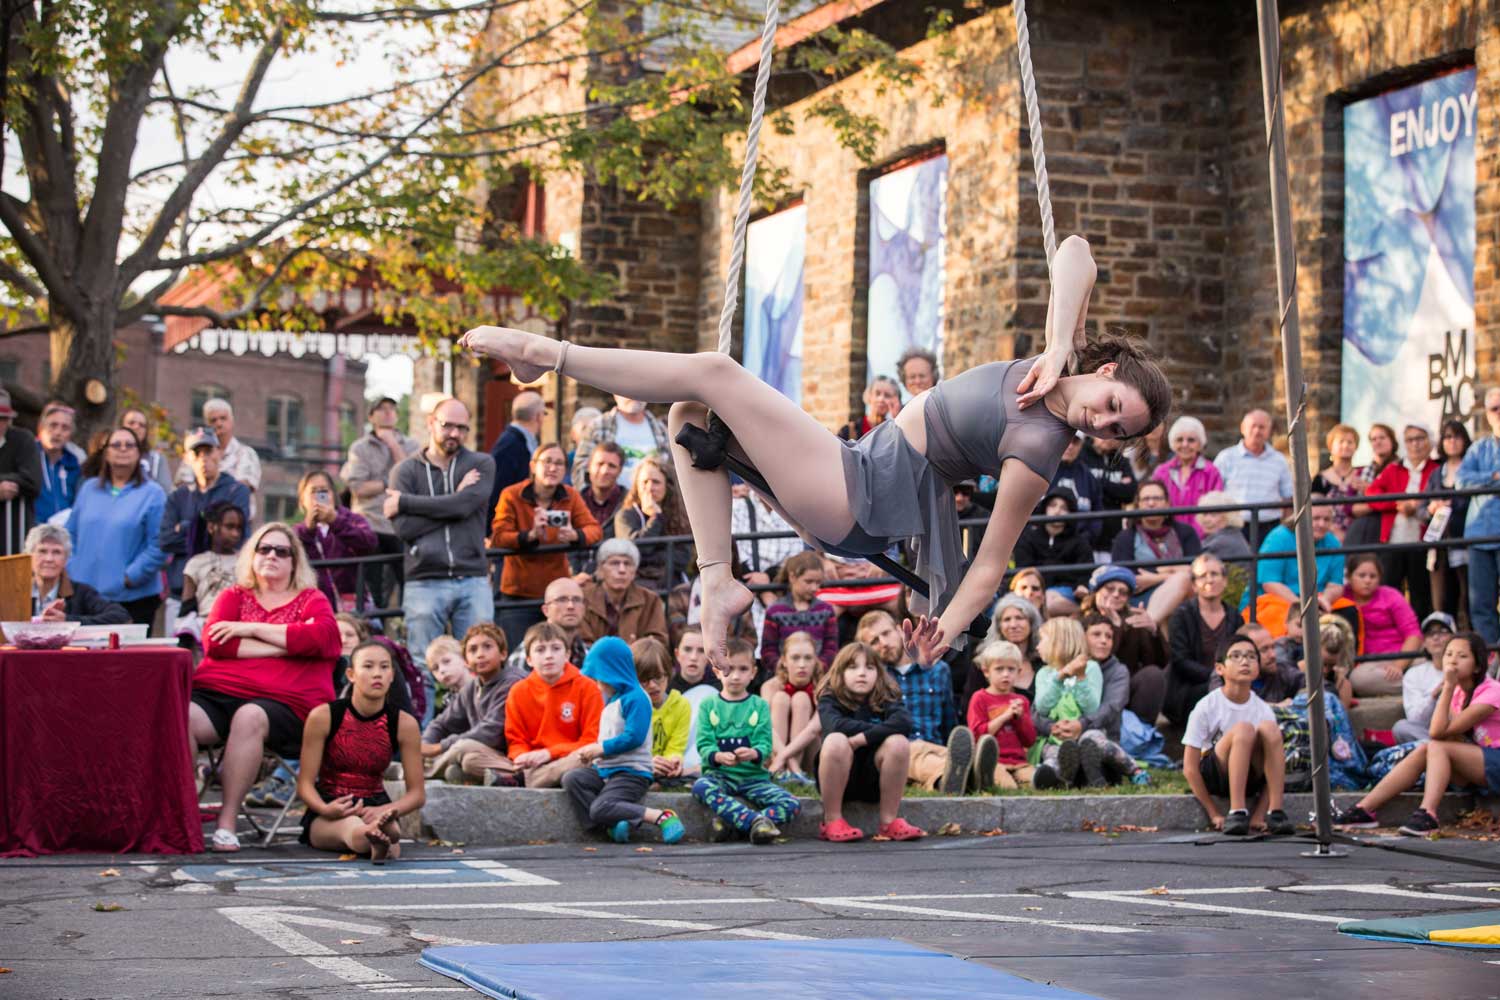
(472, 814)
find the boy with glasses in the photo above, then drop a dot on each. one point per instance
(1232, 748)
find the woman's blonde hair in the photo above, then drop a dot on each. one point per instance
(1337, 431)
(303, 577)
(884, 693)
(1218, 498)
(1041, 581)
(1336, 638)
(1062, 642)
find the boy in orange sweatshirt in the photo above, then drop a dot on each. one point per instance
(551, 713)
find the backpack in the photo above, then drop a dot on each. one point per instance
(1296, 738)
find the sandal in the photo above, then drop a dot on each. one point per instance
(900, 829)
(839, 831)
(224, 842)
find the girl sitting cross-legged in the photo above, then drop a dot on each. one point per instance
(346, 747)
(793, 696)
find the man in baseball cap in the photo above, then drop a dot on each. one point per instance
(184, 532)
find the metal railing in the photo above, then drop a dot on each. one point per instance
(1255, 537)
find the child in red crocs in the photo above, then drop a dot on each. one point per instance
(865, 751)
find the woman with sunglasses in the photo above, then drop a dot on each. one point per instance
(115, 520)
(270, 649)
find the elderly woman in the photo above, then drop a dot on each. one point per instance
(1187, 474)
(332, 531)
(271, 648)
(1341, 479)
(54, 597)
(114, 525)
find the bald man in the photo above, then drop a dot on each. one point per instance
(562, 605)
(438, 501)
(513, 448)
(1255, 472)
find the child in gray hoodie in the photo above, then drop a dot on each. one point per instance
(611, 793)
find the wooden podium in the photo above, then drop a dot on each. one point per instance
(15, 588)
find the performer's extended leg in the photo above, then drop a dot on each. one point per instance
(800, 459)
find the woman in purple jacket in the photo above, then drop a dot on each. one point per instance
(329, 531)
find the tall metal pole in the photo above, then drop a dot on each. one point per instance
(1296, 405)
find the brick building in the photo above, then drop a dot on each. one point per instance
(1155, 137)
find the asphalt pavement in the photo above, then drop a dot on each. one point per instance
(1122, 916)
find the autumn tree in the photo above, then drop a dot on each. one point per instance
(283, 196)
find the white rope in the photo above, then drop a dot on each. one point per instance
(1034, 120)
(747, 177)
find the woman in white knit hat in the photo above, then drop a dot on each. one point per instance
(1187, 474)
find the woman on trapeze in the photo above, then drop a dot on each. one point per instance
(896, 482)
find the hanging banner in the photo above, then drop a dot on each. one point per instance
(908, 225)
(775, 250)
(1409, 256)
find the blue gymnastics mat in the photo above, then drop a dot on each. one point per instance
(855, 969)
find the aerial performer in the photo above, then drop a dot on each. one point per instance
(1008, 419)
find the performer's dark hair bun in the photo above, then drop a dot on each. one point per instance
(1135, 366)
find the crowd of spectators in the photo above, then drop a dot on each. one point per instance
(1114, 631)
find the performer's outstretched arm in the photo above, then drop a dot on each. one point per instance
(1020, 491)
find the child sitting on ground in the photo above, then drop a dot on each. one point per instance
(1347, 766)
(347, 745)
(552, 713)
(445, 658)
(1232, 748)
(468, 739)
(734, 741)
(1066, 689)
(1465, 710)
(1000, 719)
(692, 662)
(792, 693)
(611, 793)
(671, 718)
(865, 752)
(800, 611)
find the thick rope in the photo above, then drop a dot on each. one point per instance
(747, 177)
(1034, 122)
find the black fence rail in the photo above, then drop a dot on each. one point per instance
(1255, 535)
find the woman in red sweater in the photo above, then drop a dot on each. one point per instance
(271, 647)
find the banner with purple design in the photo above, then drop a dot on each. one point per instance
(908, 224)
(1409, 255)
(775, 250)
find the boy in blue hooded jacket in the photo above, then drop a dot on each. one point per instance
(611, 793)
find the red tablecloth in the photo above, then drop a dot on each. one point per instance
(94, 752)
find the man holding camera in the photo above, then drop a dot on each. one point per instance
(536, 512)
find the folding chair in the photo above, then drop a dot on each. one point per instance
(270, 762)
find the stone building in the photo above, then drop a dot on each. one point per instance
(1155, 136)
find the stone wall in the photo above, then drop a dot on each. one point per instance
(1155, 136)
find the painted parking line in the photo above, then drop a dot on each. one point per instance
(1150, 897)
(1376, 889)
(272, 924)
(609, 910)
(346, 876)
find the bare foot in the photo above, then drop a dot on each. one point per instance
(380, 845)
(724, 600)
(529, 356)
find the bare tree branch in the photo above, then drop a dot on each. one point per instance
(397, 15)
(21, 282)
(181, 197)
(334, 186)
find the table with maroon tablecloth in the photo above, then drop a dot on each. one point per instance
(94, 752)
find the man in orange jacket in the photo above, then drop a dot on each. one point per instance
(551, 713)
